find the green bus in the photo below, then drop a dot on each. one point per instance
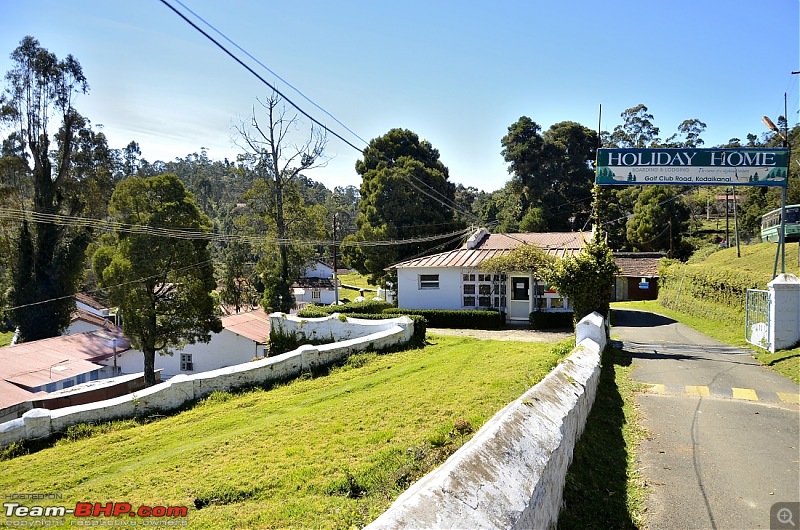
(771, 224)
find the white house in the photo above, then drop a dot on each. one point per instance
(243, 337)
(316, 286)
(454, 279)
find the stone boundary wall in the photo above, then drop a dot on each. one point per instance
(511, 474)
(172, 394)
(331, 328)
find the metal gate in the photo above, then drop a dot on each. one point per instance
(757, 321)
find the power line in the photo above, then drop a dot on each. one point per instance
(242, 63)
(268, 69)
(194, 234)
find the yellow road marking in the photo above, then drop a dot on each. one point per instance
(657, 388)
(744, 393)
(787, 397)
(701, 391)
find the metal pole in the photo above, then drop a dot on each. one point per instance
(736, 225)
(335, 265)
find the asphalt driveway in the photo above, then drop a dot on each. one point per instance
(724, 432)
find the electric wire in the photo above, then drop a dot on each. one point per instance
(268, 69)
(259, 77)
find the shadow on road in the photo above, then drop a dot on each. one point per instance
(596, 489)
(638, 319)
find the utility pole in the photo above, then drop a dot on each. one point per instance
(727, 224)
(736, 225)
(335, 265)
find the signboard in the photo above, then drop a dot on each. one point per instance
(741, 166)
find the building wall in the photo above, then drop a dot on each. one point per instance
(224, 349)
(447, 296)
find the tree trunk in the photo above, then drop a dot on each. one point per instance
(149, 365)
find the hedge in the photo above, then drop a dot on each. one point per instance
(366, 307)
(543, 320)
(718, 285)
(454, 318)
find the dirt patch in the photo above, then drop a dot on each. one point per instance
(522, 335)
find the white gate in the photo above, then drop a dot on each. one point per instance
(757, 321)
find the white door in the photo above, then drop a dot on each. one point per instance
(519, 304)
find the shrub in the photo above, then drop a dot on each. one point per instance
(453, 318)
(365, 307)
(420, 324)
(543, 320)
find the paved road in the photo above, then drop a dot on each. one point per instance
(724, 432)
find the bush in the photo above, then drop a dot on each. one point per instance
(543, 320)
(420, 324)
(458, 319)
(366, 307)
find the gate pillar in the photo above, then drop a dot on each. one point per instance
(784, 311)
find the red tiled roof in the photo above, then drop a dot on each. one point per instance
(91, 318)
(89, 301)
(638, 267)
(253, 325)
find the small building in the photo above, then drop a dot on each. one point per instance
(638, 276)
(316, 286)
(31, 370)
(454, 279)
(243, 337)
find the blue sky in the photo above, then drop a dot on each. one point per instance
(457, 73)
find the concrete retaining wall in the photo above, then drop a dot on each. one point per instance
(172, 394)
(511, 473)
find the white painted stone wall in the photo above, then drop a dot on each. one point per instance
(784, 312)
(329, 329)
(511, 473)
(41, 423)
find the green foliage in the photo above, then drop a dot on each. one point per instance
(280, 342)
(40, 92)
(550, 174)
(523, 258)
(162, 285)
(365, 307)
(681, 286)
(657, 216)
(395, 167)
(456, 318)
(587, 278)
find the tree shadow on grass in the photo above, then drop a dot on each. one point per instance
(596, 494)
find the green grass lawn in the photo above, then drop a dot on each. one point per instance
(731, 331)
(603, 486)
(5, 338)
(321, 452)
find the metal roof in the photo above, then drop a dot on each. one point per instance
(558, 244)
(253, 325)
(32, 364)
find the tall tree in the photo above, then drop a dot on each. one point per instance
(39, 94)
(636, 131)
(551, 173)
(162, 285)
(278, 161)
(405, 194)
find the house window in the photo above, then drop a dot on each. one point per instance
(469, 277)
(50, 387)
(469, 301)
(315, 294)
(186, 362)
(556, 303)
(428, 281)
(469, 288)
(81, 378)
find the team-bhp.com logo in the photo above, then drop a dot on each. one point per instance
(94, 509)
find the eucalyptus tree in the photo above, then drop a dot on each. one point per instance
(37, 105)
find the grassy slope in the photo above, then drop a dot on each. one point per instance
(327, 452)
(758, 259)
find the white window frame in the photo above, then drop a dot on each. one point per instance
(427, 281)
(316, 294)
